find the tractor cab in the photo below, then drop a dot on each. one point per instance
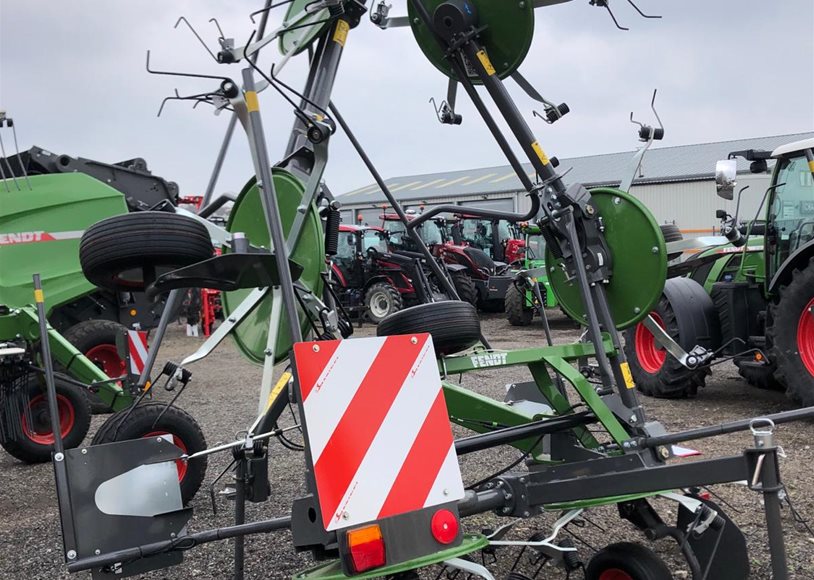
(356, 244)
(499, 239)
(433, 232)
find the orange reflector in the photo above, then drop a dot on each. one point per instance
(758, 357)
(444, 526)
(366, 548)
(133, 312)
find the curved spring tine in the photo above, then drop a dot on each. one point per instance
(619, 26)
(188, 75)
(198, 36)
(268, 8)
(640, 12)
(220, 31)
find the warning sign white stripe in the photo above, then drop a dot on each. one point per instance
(137, 346)
(448, 485)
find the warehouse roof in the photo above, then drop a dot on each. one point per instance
(661, 165)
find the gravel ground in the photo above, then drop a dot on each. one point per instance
(223, 397)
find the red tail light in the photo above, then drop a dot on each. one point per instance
(366, 547)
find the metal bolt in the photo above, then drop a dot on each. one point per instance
(664, 453)
(522, 5)
(416, 21)
(522, 480)
(589, 209)
(316, 348)
(617, 200)
(632, 418)
(509, 496)
(345, 515)
(654, 249)
(158, 438)
(172, 534)
(446, 492)
(97, 551)
(71, 554)
(636, 310)
(526, 514)
(413, 340)
(84, 452)
(268, 352)
(231, 319)
(58, 457)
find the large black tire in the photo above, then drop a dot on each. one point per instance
(791, 335)
(686, 311)
(465, 287)
(36, 442)
(453, 324)
(518, 312)
(141, 422)
(632, 560)
(762, 377)
(494, 305)
(671, 233)
(127, 252)
(96, 339)
(382, 300)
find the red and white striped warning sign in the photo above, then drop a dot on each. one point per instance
(377, 427)
(137, 349)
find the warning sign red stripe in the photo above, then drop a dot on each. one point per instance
(420, 470)
(309, 374)
(362, 419)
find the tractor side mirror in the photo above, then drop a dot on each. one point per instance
(726, 172)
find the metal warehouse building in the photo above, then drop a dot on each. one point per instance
(676, 183)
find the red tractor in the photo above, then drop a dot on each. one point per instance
(499, 239)
(477, 278)
(368, 277)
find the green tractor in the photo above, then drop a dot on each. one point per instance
(751, 300)
(531, 290)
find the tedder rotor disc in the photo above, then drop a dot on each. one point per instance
(302, 35)
(247, 216)
(506, 39)
(639, 261)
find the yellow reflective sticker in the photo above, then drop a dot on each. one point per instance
(39, 297)
(341, 32)
(278, 388)
(487, 64)
(540, 153)
(252, 103)
(627, 375)
(811, 166)
(147, 386)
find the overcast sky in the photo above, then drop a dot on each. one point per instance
(72, 76)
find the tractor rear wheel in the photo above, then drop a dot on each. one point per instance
(791, 335)
(127, 252)
(518, 312)
(655, 371)
(382, 300)
(36, 440)
(96, 339)
(144, 421)
(465, 287)
(627, 561)
(453, 324)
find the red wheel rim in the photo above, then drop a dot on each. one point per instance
(805, 337)
(651, 356)
(106, 357)
(615, 574)
(180, 464)
(39, 431)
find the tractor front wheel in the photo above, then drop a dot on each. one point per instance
(382, 300)
(518, 312)
(465, 287)
(174, 424)
(655, 371)
(791, 335)
(35, 441)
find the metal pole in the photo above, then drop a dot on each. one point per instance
(240, 513)
(48, 364)
(163, 323)
(771, 486)
(268, 197)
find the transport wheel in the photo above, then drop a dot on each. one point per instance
(465, 287)
(453, 324)
(382, 300)
(762, 377)
(185, 432)
(128, 252)
(518, 313)
(96, 339)
(35, 443)
(671, 233)
(686, 312)
(627, 561)
(791, 335)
